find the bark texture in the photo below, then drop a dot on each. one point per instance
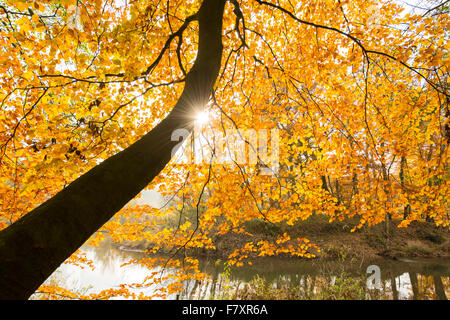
(32, 248)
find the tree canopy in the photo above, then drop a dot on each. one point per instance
(342, 108)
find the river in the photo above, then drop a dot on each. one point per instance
(412, 279)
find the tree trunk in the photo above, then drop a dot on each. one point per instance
(394, 288)
(403, 166)
(439, 287)
(414, 285)
(32, 248)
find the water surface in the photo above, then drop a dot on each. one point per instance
(399, 279)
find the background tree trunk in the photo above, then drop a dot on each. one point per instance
(439, 287)
(32, 248)
(414, 285)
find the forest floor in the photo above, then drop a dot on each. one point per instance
(419, 240)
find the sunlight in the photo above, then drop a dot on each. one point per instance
(202, 117)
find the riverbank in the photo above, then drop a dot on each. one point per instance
(419, 240)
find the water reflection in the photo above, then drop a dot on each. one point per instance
(311, 279)
(109, 272)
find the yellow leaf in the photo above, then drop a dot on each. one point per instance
(35, 18)
(21, 5)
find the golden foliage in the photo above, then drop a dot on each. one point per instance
(358, 90)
